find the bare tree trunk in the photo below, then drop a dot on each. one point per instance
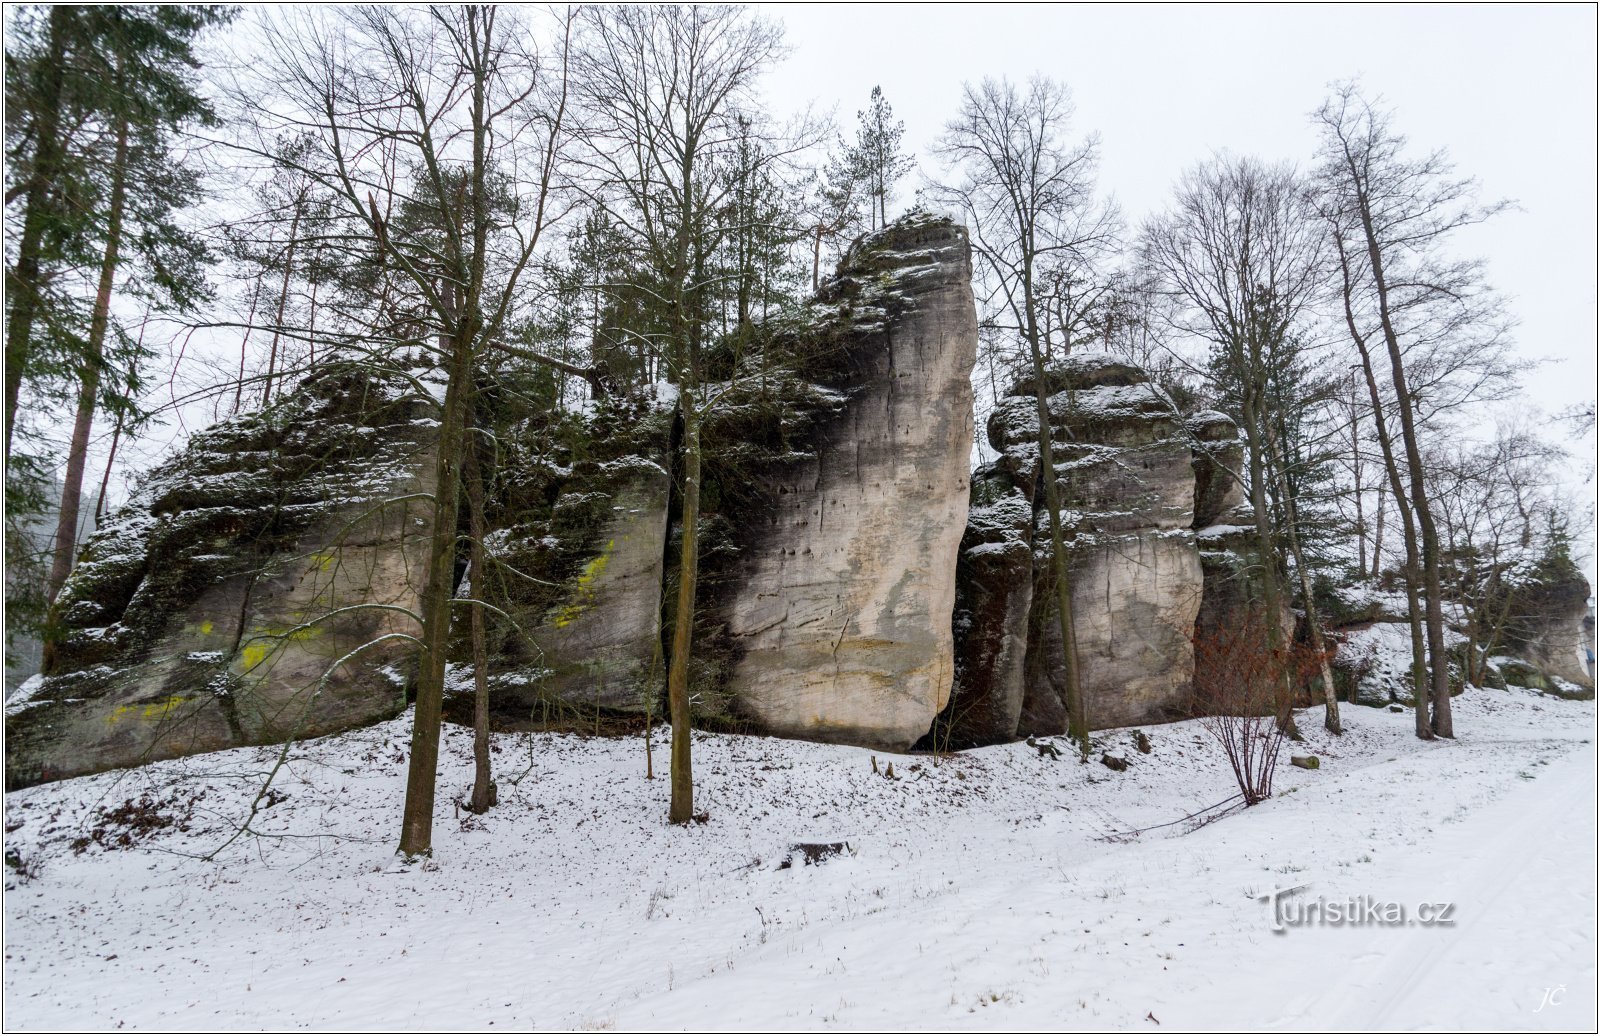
(283, 299)
(1438, 654)
(649, 704)
(89, 381)
(1355, 475)
(484, 792)
(416, 824)
(1419, 669)
(816, 260)
(1077, 709)
(1267, 551)
(1077, 714)
(682, 808)
(1330, 713)
(111, 460)
(244, 344)
(1377, 535)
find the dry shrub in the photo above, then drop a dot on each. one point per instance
(1241, 694)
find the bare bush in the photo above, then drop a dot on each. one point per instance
(1237, 674)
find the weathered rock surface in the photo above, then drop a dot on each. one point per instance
(994, 597)
(1555, 627)
(207, 613)
(1218, 459)
(1126, 466)
(836, 611)
(576, 559)
(1231, 605)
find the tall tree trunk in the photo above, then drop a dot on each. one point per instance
(89, 380)
(1438, 654)
(1419, 669)
(1377, 532)
(1355, 474)
(22, 281)
(682, 808)
(244, 344)
(1077, 709)
(111, 460)
(484, 793)
(1330, 713)
(816, 259)
(283, 300)
(1267, 551)
(416, 824)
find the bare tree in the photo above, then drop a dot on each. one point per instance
(435, 136)
(667, 95)
(1442, 331)
(1027, 196)
(1238, 255)
(1497, 506)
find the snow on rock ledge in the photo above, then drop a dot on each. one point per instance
(206, 613)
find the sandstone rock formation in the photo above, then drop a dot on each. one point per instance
(1137, 480)
(994, 599)
(858, 582)
(576, 552)
(206, 613)
(1555, 628)
(835, 612)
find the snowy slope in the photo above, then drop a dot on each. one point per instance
(982, 893)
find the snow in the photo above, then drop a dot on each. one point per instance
(23, 697)
(1219, 532)
(1381, 655)
(1363, 596)
(982, 890)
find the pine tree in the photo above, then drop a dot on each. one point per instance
(148, 96)
(875, 161)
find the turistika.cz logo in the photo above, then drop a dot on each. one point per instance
(1291, 911)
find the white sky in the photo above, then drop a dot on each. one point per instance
(1509, 91)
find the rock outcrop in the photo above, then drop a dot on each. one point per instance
(576, 550)
(1541, 646)
(834, 607)
(1137, 480)
(262, 584)
(858, 582)
(994, 599)
(1554, 628)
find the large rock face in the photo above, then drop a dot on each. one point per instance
(1124, 466)
(1555, 627)
(208, 612)
(1135, 479)
(837, 610)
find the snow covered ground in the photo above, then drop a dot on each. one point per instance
(983, 891)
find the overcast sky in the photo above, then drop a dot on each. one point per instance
(1509, 91)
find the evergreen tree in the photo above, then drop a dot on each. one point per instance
(148, 96)
(875, 161)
